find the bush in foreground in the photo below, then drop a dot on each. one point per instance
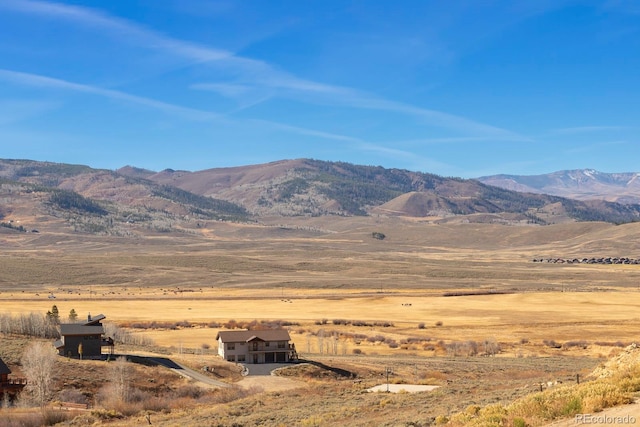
(560, 402)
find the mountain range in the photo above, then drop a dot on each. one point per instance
(131, 200)
(581, 184)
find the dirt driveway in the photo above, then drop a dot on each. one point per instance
(260, 377)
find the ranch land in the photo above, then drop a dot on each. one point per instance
(461, 306)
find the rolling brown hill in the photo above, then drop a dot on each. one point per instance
(311, 188)
(133, 201)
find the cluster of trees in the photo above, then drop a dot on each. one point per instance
(72, 201)
(13, 227)
(206, 207)
(32, 324)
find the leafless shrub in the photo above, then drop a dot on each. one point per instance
(452, 348)
(581, 343)
(51, 417)
(72, 395)
(122, 336)
(361, 323)
(357, 351)
(229, 394)
(152, 325)
(421, 325)
(156, 403)
(38, 364)
(118, 390)
(47, 417)
(552, 344)
(376, 338)
(610, 344)
(31, 324)
(469, 348)
(231, 324)
(439, 323)
(190, 391)
(104, 414)
(383, 324)
(491, 347)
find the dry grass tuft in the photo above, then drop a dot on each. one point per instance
(556, 403)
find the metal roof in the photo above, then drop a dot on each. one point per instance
(246, 336)
(79, 329)
(95, 319)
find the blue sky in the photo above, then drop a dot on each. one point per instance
(456, 88)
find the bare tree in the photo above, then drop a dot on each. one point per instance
(119, 375)
(491, 347)
(38, 362)
(321, 341)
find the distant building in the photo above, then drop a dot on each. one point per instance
(270, 346)
(9, 386)
(83, 340)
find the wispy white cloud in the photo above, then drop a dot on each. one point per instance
(117, 27)
(301, 130)
(16, 110)
(588, 129)
(229, 90)
(35, 80)
(586, 148)
(248, 72)
(387, 151)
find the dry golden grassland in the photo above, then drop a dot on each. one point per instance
(518, 321)
(356, 302)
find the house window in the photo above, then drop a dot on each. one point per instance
(266, 344)
(255, 346)
(281, 344)
(231, 358)
(231, 346)
(241, 358)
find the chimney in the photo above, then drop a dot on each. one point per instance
(89, 317)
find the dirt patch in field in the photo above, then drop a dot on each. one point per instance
(270, 383)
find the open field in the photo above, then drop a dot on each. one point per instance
(508, 319)
(356, 302)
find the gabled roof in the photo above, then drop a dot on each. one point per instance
(79, 329)
(4, 369)
(247, 336)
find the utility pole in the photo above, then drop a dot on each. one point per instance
(388, 370)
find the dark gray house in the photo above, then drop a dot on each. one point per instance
(83, 340)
